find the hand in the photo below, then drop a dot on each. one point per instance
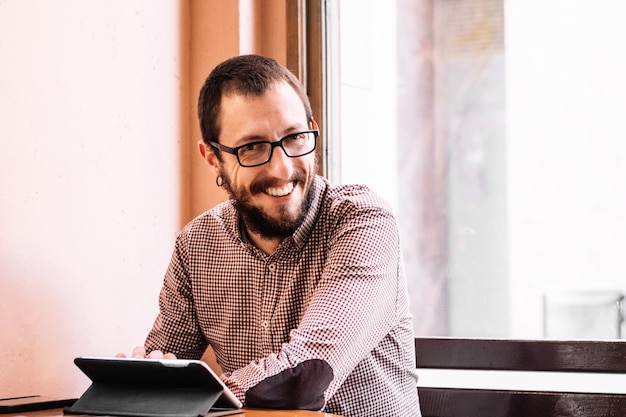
(210, 359)
(140, 352)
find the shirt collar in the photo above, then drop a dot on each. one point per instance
(302, 233)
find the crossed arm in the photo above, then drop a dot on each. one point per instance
(351, 311)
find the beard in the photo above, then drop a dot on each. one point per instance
(257, 220)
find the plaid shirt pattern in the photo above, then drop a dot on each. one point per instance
(334, 290)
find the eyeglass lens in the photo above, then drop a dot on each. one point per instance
(259, 152)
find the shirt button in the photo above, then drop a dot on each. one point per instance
(271, 267)
(265, 324)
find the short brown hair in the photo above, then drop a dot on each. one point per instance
(250, 75)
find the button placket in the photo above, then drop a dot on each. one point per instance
(269, 300)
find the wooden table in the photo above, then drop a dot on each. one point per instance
(247, 413)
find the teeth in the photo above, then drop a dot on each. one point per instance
(279, 192)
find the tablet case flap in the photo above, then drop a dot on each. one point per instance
(152, 390)
(104, 399)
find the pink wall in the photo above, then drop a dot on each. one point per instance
(89, 182)
(99, 168)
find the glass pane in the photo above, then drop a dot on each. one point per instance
(495, 128)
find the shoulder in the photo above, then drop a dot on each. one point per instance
(220, 220)
(354, 197)
(354, 207)
(359, 224)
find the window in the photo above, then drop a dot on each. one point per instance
(495, 128)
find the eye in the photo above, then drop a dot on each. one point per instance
(252, 147)
(295, 137)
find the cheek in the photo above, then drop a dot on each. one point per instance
(311, 164)
(240, 179)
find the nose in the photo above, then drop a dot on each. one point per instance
(280, 165)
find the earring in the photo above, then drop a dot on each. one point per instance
(219, 180)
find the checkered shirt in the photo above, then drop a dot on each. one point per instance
(333, 291)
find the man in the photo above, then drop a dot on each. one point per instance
(294, 285)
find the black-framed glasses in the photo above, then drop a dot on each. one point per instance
(254, 154)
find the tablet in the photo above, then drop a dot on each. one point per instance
(153, 387)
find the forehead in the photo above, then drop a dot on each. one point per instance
(277, 110)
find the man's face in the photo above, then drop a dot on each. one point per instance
(273, 198)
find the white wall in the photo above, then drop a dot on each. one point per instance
(89, 182)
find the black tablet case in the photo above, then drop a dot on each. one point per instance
(150, 388)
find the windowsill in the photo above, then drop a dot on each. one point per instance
(522, 380)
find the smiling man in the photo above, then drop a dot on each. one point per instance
(271, 190)
(295, 286)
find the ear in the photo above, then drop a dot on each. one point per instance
(313, 124)
(209, 156)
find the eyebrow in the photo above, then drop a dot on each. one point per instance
(258, 138)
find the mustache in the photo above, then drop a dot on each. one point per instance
(262, 184)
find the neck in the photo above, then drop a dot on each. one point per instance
(265, 244)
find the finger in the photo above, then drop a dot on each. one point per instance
(169, 356)
(120, 355)
(139, 352)
(156, 354)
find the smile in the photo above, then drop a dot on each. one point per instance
(280, 192)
